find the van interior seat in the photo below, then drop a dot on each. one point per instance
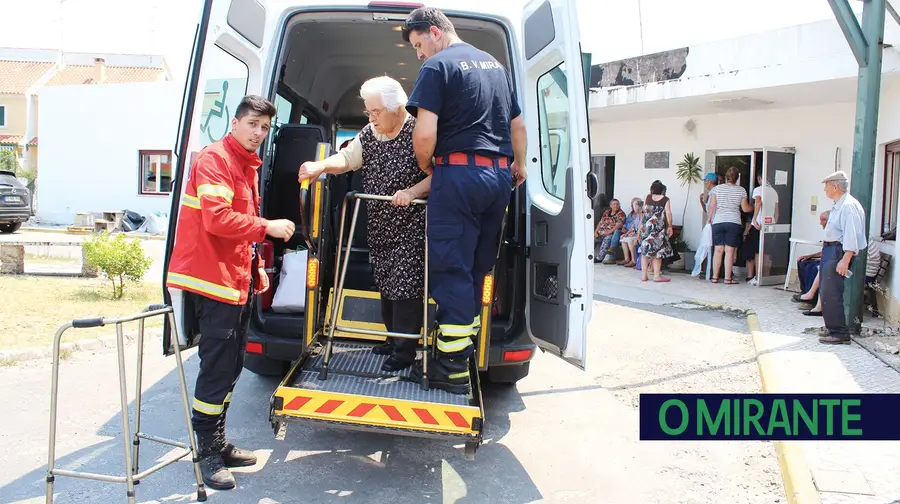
(294, 145)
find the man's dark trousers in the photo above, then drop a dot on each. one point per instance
(831, 288)
(223, 341)
(466, 207)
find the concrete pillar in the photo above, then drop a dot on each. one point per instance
(12, 259)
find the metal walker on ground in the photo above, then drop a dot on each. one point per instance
(340, 276)
(131, 443)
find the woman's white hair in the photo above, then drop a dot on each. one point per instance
(385, 88)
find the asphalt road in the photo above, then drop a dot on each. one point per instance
(561, 435)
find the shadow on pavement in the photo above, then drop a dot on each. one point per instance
(313, 464)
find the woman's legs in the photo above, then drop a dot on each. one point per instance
(729, 263)
(813, 290)
(717, 262)
(626, 251)
(657, 271)
(644, 265)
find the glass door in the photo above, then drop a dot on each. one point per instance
(777, 207)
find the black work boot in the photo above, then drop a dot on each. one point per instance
(231, 455)
(212, 466)
(451, 375)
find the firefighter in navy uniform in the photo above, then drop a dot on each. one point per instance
(470, 134)
(211, 261)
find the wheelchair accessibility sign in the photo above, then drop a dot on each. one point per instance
(219, 106)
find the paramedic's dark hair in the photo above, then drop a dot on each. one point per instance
(423, 18)
(253, 103)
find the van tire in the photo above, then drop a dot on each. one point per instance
(507, 375)
(10, 228)
(265, 366)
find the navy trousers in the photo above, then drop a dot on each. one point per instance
(466, 207)
(831, 289)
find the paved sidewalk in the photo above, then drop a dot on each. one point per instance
(843, 472)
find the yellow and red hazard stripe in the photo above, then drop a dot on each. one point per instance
(380, 412)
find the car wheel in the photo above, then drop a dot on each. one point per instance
(265, 366)
(10, 228)
(507, 375)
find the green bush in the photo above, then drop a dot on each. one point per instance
(117, 258)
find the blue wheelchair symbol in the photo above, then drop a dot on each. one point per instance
(219, 110)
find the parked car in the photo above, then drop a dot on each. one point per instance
(15, 203)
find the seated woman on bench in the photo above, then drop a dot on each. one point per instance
(383, 150)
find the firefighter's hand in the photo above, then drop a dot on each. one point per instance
(402, 198)
(281, 228)
(262, 282)
(519, 173)
(309, 171)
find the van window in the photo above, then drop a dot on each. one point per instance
(553, 120)
(282, 110)
(224, 84)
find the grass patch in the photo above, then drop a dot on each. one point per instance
(35, 307)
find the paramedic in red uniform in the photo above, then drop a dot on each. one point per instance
(211, 261)
(470, 132)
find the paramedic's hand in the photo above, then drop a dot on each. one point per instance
(281, 228)
(519, 174)
(262, 282)
(402, 198)
(309, 170)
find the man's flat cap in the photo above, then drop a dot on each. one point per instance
(838, 176)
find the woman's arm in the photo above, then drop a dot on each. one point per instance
(669, 218)
(712, 207)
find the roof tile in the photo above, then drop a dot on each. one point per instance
(17, 76)
(86, 74)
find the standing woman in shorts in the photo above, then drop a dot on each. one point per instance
(725, 207)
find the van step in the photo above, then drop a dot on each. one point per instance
(361, 309)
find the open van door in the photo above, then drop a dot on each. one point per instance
(559, 219)
(226, 65)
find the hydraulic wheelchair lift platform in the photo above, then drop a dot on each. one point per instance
(339, 382)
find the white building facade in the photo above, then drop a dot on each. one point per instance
(792, 89)
(106, 148)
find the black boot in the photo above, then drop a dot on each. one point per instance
(212, 466)
(231, 455)
(451, 375)
(383, 349)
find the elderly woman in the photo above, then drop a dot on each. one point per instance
(383, 152)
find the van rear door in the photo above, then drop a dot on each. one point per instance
(226, 65)
(559, 219)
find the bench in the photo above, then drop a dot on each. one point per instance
(12, 256)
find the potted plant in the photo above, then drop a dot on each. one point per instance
(689, 173)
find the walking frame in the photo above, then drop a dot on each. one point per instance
(340, 276)
(131, 444)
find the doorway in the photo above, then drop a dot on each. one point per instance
(604, 167)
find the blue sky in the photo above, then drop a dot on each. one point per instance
(611, 29)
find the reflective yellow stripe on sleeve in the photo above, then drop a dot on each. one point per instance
(190, 201)
(190, 282)
(215, 191)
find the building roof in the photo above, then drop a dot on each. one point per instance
(11, 139)
(17, 76)
(87, 74)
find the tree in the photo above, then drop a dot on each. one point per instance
(689, 173)
(117, 259)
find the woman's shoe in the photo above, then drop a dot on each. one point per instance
(810, 313)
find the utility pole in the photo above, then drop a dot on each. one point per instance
(866, 42)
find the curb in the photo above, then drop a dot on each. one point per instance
(67, 232)
(798, 482)
(108, 342)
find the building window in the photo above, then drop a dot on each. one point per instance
(156, 172)
(553, 120)
(282, 110)
(891, 181)
(2, 116)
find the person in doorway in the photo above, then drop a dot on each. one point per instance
(655, 232)
(632, 232)
(211, 261)
(710, 181)
(844, 238)
(383, 152)
(750, 245)
(725, 208)
(470, 132)
(607, 235)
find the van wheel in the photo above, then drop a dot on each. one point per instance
(264, 366)
(507, 375)
(10, 228)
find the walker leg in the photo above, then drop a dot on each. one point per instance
(126, 435)
(339, 290)
(424, 382)
(54, 384)
(201, 490)
(136, 443)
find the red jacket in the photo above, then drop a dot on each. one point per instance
(217, 224)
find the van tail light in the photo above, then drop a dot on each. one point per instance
(516, 355)
(312, 273)
(487, 290)
(268, 256)
(254, 347)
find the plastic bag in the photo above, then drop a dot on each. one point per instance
(703, 248)
(290, 297)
